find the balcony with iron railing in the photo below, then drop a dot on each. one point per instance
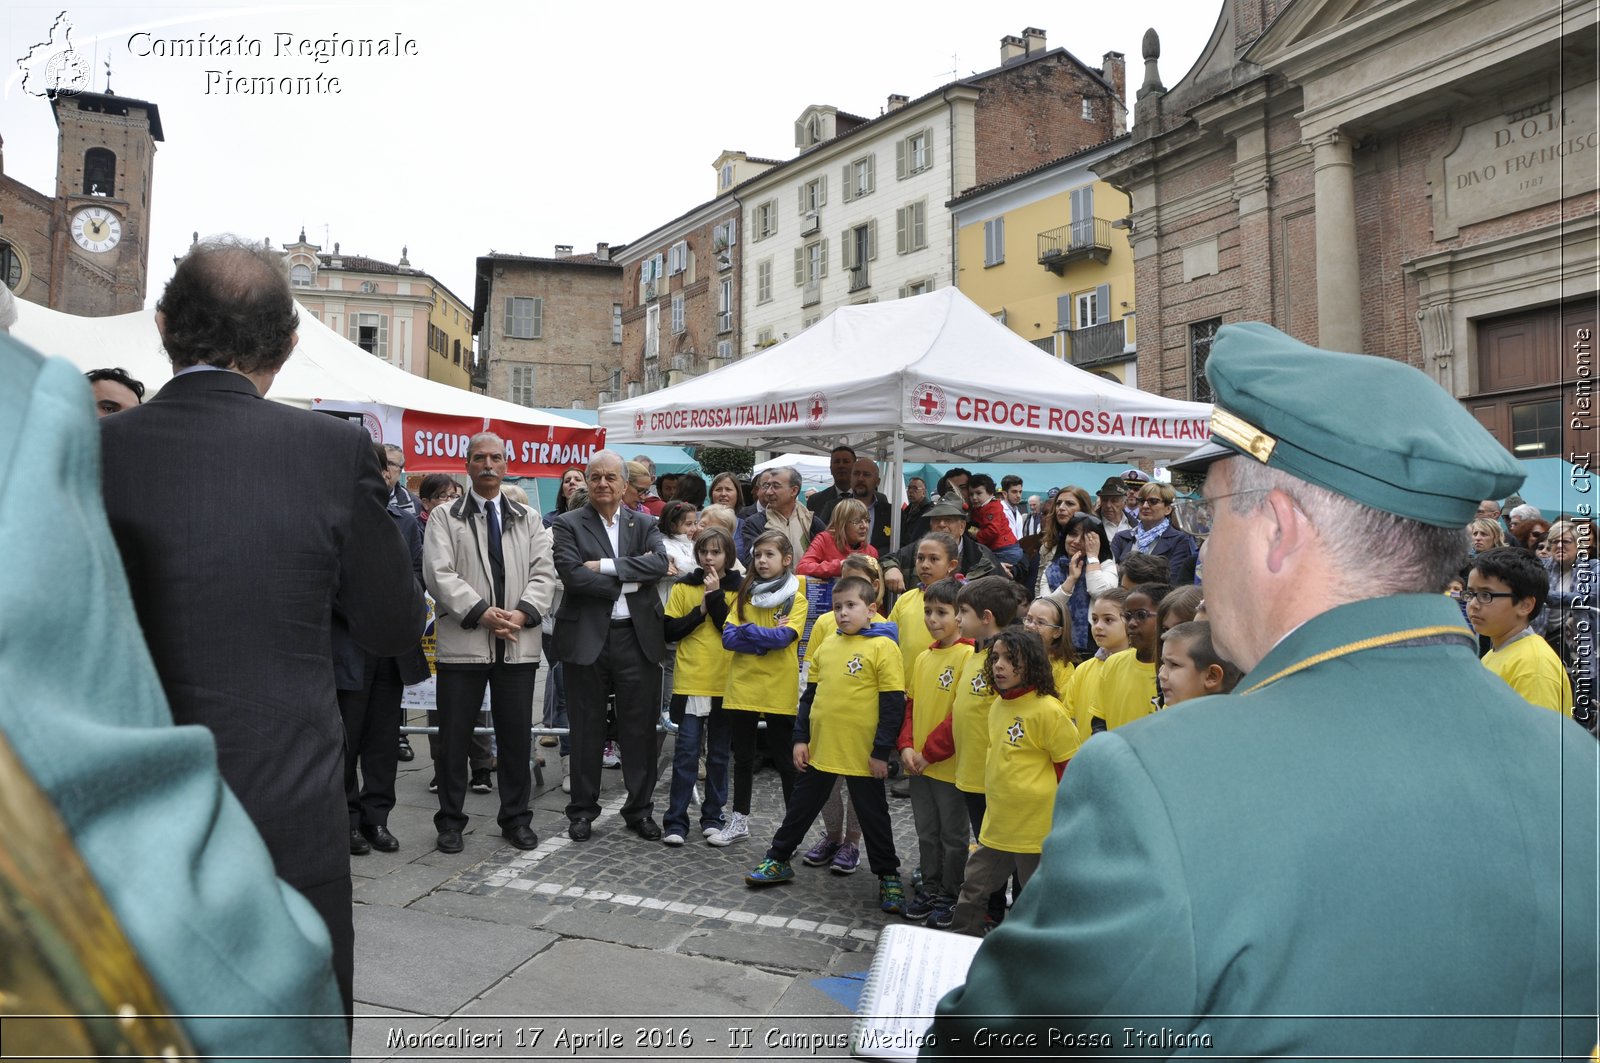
(1076, 242)
(858, 278)
(811, 294)
(1095, 344)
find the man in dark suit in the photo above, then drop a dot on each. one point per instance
(842, 464)
(244, 525)
(610, 640)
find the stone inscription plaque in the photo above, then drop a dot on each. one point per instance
(1511, 162)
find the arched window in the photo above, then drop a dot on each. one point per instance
(99, 172)
(300, 276)
(10, 266)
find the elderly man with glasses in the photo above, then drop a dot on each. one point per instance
(778, 491)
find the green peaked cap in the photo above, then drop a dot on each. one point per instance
(1371, 429)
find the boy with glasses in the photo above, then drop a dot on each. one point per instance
(1506, 588)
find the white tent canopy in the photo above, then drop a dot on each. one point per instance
(928, 378)
(325, 366)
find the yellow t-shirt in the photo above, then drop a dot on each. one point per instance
(970, 722)
(850, 672)
(914, 634)
(768, 682)
(702, 664)
(1062, 670)
(1028, 737)
(1082, 690)
(1127, 690)
(933, 693)
(1534, 671)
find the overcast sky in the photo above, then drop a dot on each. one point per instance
(514, 127)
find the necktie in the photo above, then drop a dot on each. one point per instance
(497, 561)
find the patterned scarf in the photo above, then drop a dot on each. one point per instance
(1143, 537)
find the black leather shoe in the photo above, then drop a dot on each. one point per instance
(449, 841)
(578, 830)
(521, 837)
(380, 838)
(406, 752)
(358, 844)
(646, 828)
(480, 781)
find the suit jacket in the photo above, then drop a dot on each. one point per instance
(1174, 544)
(243, 525)
(173, 852)
(352, 665)
(456, 568)
(585, 610)
(1372, 824)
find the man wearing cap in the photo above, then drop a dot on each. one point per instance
(1111, 511)
(1371, 848)
(948, 517)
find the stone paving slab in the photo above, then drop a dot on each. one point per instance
(431, 964)
(792, 951)
(372, 1026)
(401, 885)
(510, 910)
(617, 927)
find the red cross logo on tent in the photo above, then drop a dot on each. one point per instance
(927, 403)
(638, 422)
(816, 409)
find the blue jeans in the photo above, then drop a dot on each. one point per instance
(686, 769)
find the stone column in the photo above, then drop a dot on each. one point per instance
(1338, 268)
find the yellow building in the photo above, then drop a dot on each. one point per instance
(449, 339)
(1047, 253)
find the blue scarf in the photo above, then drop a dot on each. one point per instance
(1143, 537)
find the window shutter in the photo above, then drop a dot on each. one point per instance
(799, 267)
(872, 172)
(849, 246)
(733, 231)
(919, 234)
(900, 160)
(538, 318)
(822, 190)
(848, 185)
(1063, 311)
(872, 239)
(510, 319)
(1102, 304)
(824, 268)
(802, 200)
(900, 229)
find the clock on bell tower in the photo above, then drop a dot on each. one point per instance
(100, 224)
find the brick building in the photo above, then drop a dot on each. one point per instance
(1413, 179)
(84, 248)
(549, 330)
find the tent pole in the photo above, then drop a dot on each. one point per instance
(897, 497)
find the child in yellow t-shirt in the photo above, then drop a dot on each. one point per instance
(1030, 741)
(846, 726)
(1190, 665)
(926, 748)
(938, 557)
(1127, 689)
(1110, 633)
(1506, 587)
(763, 631)
(1049, 618)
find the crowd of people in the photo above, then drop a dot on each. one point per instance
(1006, 645)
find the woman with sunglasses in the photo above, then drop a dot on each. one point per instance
(1157, 532)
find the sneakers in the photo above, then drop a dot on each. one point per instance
(667, 725)
(433, 785)
(673, 839)
(847, 859)
(920, 907)
(943, 917)
(610, 758)
(770, 873)
(820, 854)
(710, 832)
(480, 781)
(737, 830)
(891, 895)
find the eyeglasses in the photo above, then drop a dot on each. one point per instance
(1202, 512)
(1485, 597)
(1138, 616)
(1029, 621)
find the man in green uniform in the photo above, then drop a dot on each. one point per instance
(240, 956)
(1371, 848)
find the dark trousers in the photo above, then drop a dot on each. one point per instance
(460, 697)
(333, 902)
(867, 796)
(977, 805)
(621, 672)
(779, 745)
(371, 717)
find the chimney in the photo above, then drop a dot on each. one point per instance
(897, 101)
(563, 250)
(1113, 67)
(1035, 40)
(602, 251)
(1011, 48)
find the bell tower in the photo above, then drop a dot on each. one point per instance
(100, 231)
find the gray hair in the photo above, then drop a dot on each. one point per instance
(602, 456)
(1526, 512)
(481, 437)
(397, 455)
(1413, 558)
(788, 471)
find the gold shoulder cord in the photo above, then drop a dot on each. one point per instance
(1348, 648)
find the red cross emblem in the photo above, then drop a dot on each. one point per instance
(638, 422)
(816, 409)
(927, 403)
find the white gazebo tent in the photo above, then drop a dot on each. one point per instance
(931, 378)
(431, 421)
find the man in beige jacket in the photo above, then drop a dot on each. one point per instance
(487, 563)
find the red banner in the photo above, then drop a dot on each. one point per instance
(436, 442)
